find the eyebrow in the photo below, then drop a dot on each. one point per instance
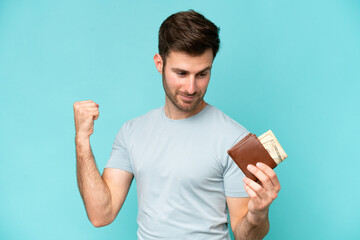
(181, 70)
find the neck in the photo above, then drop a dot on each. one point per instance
(174, 113)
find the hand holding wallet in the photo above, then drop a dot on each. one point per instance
(250, 150)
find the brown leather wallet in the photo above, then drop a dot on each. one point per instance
(249, 150)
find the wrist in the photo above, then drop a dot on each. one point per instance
(255, 225)
(80, 138)
(257, 217)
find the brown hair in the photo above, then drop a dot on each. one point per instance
(189, 32)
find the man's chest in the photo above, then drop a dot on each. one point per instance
(177, 157)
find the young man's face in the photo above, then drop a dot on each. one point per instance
(185, 79)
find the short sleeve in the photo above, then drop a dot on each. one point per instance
(233, 176)
(120, 157)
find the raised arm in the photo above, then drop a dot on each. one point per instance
(103, 196)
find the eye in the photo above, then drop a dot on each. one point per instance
(181, 73)
(202, 74)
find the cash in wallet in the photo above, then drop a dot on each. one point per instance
(251, 150)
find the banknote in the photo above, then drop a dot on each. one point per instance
(272, 145)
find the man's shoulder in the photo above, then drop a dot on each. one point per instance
(148, 117)
(226, 126)
(219, 117)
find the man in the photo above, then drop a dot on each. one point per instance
(186, 182)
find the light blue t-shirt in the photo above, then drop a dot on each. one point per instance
(182, 172)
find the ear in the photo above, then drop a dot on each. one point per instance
(158, 63)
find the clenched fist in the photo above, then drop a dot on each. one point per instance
(85, 112)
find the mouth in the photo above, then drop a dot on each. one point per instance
(187, 98)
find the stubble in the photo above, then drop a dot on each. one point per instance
(176, 102)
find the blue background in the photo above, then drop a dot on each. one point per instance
(289, 66)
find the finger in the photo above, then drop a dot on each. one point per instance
(90, 113)
(87, 111)
(86, 103)
(263, 178)
(271, 174)
(90, 108)
(82, 102)
(96, 116)
(252, 193)
(89, 104)
(262, 198)
(259, 190)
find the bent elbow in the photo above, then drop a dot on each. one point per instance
(100, 222)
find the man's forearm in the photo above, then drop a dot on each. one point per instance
(252, 227)
(93, 189)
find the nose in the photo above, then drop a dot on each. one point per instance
(190, 85)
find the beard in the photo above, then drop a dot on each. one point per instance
(184, 106)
